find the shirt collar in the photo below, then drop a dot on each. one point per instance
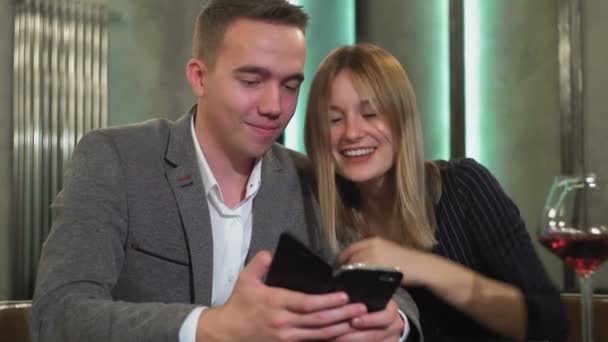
(209, 181)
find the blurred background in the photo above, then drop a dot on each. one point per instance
(518, 85)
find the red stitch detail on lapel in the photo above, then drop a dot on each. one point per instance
(184, 178)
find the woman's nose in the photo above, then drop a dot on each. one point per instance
(353, 129)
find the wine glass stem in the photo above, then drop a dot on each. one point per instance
(586, 308)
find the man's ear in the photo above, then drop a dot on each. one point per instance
(196, 72)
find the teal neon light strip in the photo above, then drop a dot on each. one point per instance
(443, 53)
(472, 48)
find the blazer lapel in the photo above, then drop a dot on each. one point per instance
(285, 204)
(184, 177)
(270, 207)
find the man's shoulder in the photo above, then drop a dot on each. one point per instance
(286, 157)
(292, 162)
(142, 141)
(145, 129)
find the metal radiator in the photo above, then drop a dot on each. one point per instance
(60, 92)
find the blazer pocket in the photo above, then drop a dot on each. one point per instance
(136, 247)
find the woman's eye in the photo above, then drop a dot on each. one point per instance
(335, 120)
(369, 115)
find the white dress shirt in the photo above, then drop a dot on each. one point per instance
(231, 230)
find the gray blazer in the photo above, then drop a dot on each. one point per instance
(130, 252)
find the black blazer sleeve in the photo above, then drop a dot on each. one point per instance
(507, 249)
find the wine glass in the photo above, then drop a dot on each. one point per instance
(574, 227)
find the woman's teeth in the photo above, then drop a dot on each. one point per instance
(357, 153)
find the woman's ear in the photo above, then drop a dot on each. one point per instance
(196, 71)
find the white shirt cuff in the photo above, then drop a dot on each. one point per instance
(187, 332)
(406, 327)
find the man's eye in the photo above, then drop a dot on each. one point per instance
(250, 83)
(293, 86)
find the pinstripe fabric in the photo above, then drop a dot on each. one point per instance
(480, 227)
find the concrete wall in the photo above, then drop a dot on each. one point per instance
(521, 102)
(595, 69)
(411, 31)
(149, 45)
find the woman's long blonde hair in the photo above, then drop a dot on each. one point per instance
(379, 75)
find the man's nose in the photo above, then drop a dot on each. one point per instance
(270, 101)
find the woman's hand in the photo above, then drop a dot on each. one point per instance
(414, 264)
(497, 305)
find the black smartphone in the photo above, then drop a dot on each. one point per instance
(371, 285)
(294, 266)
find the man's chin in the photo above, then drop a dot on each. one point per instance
(257, 150)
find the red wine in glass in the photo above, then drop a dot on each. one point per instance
(583, 252)
(574, 227)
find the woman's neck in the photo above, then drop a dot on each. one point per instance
(378, 208)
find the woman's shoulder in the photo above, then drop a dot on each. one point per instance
(461, 170)
(461, 167)
(465, 176)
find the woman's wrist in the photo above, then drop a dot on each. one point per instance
(452, 282)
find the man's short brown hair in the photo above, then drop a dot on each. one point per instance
(218, 14)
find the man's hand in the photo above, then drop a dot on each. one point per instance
(386, 325)
(256, 312)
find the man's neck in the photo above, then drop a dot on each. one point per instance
(231, 173)
(231, 178)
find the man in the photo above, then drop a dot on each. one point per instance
(162, 229)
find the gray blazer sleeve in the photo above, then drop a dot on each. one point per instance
(408, 307)
(82, 258)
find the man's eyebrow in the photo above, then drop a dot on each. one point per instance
(263, 72)
(252, 69)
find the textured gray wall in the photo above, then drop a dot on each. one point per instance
(6, 143)
(407, 29)
(520, 80)
(595, 69)
(522, 92)
(149, 45)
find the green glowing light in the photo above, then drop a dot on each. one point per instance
(472, 60)
(440, 146)
(444, 12)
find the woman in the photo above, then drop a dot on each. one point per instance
(459, 240)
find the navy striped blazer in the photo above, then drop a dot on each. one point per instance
(480, 227)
